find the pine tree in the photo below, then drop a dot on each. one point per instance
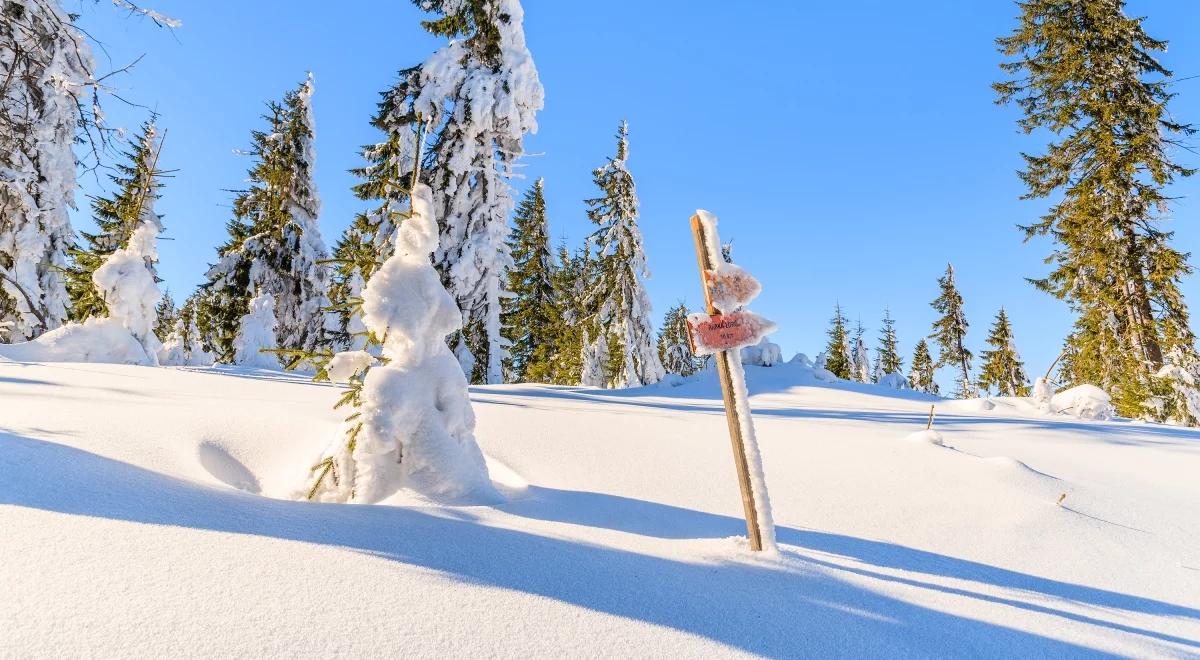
(1002, 367)
(950, 333)
(570, 279)
(887, 356)
(275, 246)
(531, 313)
(595, 359)
(618, 298)
(117, 217)
(353, 260)
(921, 376)
(47, 101)
(1087, 73)
(167, 315)
(674, 347)
(859, 359)
(477, 97)
(837, 355)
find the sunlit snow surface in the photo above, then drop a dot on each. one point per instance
(139, 518)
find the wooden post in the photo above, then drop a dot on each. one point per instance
(929, 425)
(753, 529)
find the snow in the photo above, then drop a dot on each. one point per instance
(257, 332)
(763, 354)
(895, 381)
(347, 363)
(1084, 402)
(96, 340)
(126, 282)
(145, 515)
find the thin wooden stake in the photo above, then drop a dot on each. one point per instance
(929, 425)
(753, 529)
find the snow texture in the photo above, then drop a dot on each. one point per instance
(95, 340)
(256, 333)
(346, 364)
(139, 516)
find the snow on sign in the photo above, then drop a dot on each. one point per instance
(724, 328)
(726, 332)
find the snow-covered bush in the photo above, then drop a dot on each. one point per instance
(895, 381)
(802, 360)
(127, 284)
(415, 427)
(763, 354)
(1084, 402)
(256, 333)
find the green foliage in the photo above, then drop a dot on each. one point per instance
(950, 333)
(167, 316)
(137, 181)
(531, 317)
(887, 356)
(1087, 73)
(569, 280)
(1002, 367)
(921, 376)
(837, 357)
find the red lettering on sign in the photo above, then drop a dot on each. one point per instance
(725, 332)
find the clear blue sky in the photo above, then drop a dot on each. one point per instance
(850, 149)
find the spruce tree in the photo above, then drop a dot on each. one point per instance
(950, 333)
(837, 355)
(887, 356)
(674, 347)
(476, 98)
(167, 315)
(531, 314)
(1002, 367)
(570, 280)
(1087, 73)
(618, 299)
(137, 182)
(274, 244)
(921, 376)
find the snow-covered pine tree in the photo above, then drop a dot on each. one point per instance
(859, 358)
(184, 346)
(478, 95)
(47, 99)
(618, 296)
(595, 361)
(137, 182)
(674, 348)
(1002, 366)
(275, 245)
(167, 316)
(256, 334)
(413, 426)
(531, 313)
(837, 356)
(920, 378)
(887, 356)
(1087, 73)
(950, 333)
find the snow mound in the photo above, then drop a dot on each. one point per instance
(928, 437)
(763, 354)
(97, 340)
(1084, 402)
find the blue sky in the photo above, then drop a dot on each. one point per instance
(850, 149)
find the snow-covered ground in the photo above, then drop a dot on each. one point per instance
(139, 517)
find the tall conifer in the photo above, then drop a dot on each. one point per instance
(532, 312)
(837, 357)
(1087, 73)
(950, 333)
(1002, 367)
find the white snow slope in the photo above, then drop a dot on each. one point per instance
(136, 520)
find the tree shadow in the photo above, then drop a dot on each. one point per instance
(785, 608)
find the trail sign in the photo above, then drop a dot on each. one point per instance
(726, 332)
(730, 287)
(721, 332)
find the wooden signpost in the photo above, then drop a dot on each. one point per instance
(722, 335)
